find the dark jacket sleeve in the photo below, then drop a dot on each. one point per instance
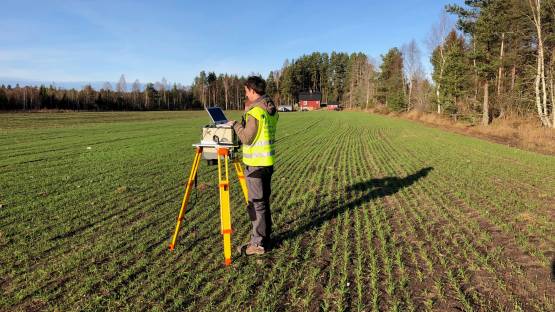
(246, 134)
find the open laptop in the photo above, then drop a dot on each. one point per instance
(217, 115)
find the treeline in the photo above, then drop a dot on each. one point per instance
(354, 80)
(501, 62)
(498, 60)
(150, 97)
(225, 90)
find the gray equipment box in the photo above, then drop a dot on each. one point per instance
(217, 135)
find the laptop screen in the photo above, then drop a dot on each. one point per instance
(217, 115)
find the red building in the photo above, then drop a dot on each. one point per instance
(309, 100)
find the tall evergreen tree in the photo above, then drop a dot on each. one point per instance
(485, 21)
(456, 68)
(271, 86)
(392, 81)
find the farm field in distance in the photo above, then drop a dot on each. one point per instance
(370, 213)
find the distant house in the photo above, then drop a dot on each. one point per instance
(309, 100)
(332, 105)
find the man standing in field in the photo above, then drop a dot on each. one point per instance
(257, 132)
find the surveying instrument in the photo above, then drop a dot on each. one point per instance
(219, 144)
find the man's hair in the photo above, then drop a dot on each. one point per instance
(257, 84)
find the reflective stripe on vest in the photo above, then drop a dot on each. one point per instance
(259, 143)
(262, 150)
(255, 155)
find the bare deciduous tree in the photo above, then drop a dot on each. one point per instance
(136, 89)
(226, 81)
(107, 86)
(436, 39)
(121, 86)
(413, 66)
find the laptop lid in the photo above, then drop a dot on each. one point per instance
(217, 115)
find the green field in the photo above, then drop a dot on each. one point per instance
(370, 212)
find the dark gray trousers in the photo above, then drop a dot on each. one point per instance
(259, 181)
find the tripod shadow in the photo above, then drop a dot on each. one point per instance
(371, 190)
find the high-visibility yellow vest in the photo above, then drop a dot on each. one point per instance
(262, 150)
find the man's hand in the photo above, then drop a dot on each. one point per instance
(230, 123)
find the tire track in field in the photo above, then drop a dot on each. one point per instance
(307, 294)
(525, 166)
(415, 195)
(384, 239)
(336, 294)
(273, 275)
(357, 277)
(435, 251)
(354, 203)
(347, 276)
(505, 224)
(493, 169)
(401, 191)
(398, 280)
(472, 234)
(317, 197)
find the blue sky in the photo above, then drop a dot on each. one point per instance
(88, 41)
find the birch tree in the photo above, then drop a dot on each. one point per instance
(413, 66)
(226, 80)
(121, 86)
(436, 39)
(539, 83)
(136, 89)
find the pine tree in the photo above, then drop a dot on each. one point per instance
(454, 79)
(486, 22)
(271, 87)
(391, 80)
(3, 99)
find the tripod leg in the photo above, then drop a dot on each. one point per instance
(225, 211)
(192, 176)
(242, 181)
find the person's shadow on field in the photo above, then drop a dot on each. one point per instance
(371, 189)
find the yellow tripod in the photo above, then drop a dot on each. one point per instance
(223, 154)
